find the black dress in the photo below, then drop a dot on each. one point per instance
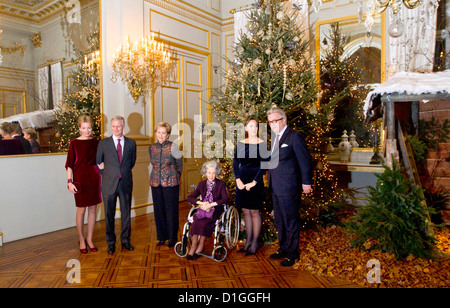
(247, 165)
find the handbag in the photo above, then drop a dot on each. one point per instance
(202, 214)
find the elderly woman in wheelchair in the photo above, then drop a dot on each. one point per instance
(209, 216)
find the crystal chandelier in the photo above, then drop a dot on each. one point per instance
(91, 68)
(396, 4)
(143, 65)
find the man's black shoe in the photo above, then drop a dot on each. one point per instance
(277, 255)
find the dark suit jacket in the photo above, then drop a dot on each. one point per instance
(220, 194)
(294, 165)
(26, 145)
(106, 153)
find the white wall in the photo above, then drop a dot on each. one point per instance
(33, 196)
(120, 19)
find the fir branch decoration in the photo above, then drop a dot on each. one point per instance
(394, 220)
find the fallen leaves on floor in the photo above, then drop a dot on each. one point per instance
(328, 252)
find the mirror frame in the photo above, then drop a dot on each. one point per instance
(101, 94)
(383, 62)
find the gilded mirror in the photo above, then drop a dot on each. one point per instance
(368, 50)
(44, 43)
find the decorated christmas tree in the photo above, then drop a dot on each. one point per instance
(83, 98)
(272, 66)
(340, 83)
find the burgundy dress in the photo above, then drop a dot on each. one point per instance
(81, 159)
(10, 147)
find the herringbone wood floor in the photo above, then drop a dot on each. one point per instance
(42, 262)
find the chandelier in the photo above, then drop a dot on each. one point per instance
(396, 4)
(143, 65)
(91, 68)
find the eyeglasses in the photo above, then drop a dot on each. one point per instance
(275, 121)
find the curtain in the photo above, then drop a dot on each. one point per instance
(50, 83)
(240, 21)
(43, 82)
(413, 50)
(57, 83)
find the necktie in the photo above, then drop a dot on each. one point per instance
(119, 150)
(275, 144)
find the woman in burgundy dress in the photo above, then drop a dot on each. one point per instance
(8, 144)
(213, 195)
(84, 180)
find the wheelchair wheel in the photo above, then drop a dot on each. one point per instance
(180, 249)
(232, 227)
(219, 253)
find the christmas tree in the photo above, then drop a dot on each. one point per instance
(340, 83)
(272, 66)
(83, 97)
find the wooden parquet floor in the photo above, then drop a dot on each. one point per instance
(42, 262)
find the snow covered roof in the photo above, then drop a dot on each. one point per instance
(410, 84)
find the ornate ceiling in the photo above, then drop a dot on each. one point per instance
(34, 11)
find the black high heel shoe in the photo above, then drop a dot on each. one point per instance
(243, 249)
(160, 243)
(250, 252)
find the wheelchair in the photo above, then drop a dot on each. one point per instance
(226, 233)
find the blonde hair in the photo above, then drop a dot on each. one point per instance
(30, 131)
(85, 119)
(166, 126)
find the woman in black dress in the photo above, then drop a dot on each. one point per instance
(249, 182)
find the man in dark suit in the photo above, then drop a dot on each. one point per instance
(290, 173)
(116, 157)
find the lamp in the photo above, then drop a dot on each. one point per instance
(143, 65)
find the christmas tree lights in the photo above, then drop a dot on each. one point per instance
(272, 66)
(84, 97)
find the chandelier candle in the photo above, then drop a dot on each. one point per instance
(143, 65)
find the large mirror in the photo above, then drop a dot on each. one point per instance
(45, 45)
(367, 49)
